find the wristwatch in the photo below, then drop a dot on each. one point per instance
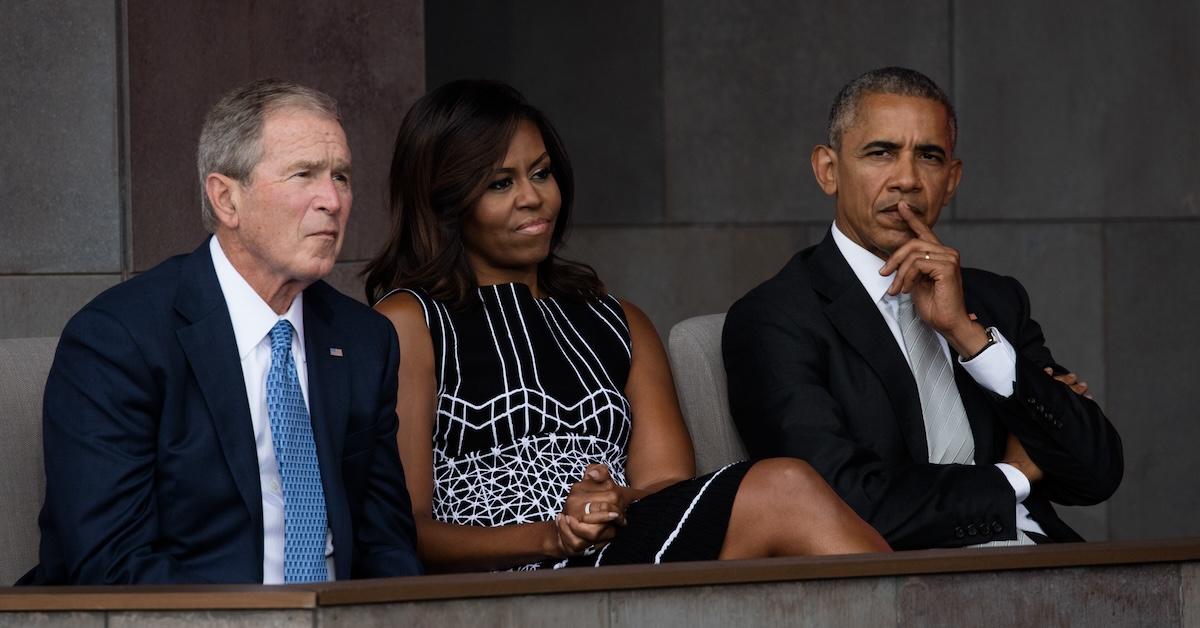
(991, 335)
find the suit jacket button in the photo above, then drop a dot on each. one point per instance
(996, 527)
(1031, 401)
(971, 530)
(959, 532)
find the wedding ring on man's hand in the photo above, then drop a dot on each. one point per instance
(587, 509)
(926, 254)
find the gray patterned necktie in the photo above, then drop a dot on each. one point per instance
(946, 428)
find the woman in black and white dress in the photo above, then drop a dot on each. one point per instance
(538, 420)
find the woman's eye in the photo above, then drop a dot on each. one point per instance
(501, 184)
(541, 175)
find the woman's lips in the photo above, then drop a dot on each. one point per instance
(535, 227)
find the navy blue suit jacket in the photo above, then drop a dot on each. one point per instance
(815, 373)
(151, 469)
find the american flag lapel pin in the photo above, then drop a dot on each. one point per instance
(335, 352)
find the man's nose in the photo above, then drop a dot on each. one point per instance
(332, 195)
(904, 174)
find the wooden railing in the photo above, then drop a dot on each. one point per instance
(1176, 560)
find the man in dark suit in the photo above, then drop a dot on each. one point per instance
(922, 391)
(227, 416)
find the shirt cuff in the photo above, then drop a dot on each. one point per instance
(996, 368)
(1016, 479)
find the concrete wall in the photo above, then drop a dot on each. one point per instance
(103, 105)
(1160, 595)
(62, 159)
(690, 123)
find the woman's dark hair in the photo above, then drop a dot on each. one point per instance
(448, 147)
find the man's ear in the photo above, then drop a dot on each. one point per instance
(224, 194)
(952, 181)
(824, 165)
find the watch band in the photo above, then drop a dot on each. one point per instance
(991, 340)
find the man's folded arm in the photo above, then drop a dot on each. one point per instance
(1066, 434)
(100, 425)
(386, 543)
(783, 407)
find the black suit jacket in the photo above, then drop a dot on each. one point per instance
(815, 373)
(151, 469)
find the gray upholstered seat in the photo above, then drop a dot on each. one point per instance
(24, 363)
(699, 370)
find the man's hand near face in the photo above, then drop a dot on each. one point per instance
(930, 271)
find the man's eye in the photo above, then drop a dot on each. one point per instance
(879, 153)
(934, 157)
(341, 177)
(501, 184)
(302, 174)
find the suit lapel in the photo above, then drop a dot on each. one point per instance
(858, 320)
(328, 401)
(211, 350)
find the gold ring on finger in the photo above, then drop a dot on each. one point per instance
(926, 255)
(587, 508)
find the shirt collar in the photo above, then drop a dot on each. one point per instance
(865, 266)
(252, 318)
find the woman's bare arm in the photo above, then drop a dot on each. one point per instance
(660, 449)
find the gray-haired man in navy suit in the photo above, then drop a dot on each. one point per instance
(227, 416)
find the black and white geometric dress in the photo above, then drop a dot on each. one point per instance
(529, 392)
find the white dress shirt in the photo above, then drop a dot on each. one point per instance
(252, 321)
(994, 369)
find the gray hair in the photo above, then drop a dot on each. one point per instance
(891, 80)
(230, 140)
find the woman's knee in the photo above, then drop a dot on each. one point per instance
(785, 477)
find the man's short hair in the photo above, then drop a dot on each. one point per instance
(890, 80)
(230, 140)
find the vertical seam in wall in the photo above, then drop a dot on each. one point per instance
(896, 602)
(1179, 588)
(124, 180)
(424, 49)
(953, 83)
(664, 212)
(1105, 335)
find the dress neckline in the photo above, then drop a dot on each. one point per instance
(516, 285)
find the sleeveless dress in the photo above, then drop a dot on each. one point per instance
(529, 392)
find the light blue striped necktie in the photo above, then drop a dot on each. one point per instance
(304, 517)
